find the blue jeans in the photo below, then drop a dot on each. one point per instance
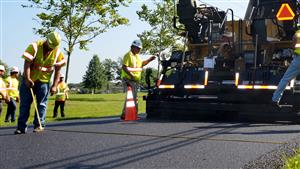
(11, 110)
(41, 91)
(291, 73)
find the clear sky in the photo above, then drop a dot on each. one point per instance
(16, 34)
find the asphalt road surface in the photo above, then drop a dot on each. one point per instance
(111, 143)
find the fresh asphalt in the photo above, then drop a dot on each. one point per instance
(112, 143)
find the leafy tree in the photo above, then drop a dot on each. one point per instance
(79, 20)
(110, 68)
(162, 34)
(94, 77)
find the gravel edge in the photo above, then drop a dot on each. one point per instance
(275, 159)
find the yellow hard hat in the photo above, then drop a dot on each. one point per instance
(53, 39)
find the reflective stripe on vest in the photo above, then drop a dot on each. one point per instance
(48, 68)
(28, 55)
(131, 69)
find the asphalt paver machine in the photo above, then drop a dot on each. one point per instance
(229, 66)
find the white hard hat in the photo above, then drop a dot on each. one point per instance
(62, 75)
(14, 69)
(137, 43)
(2, 68)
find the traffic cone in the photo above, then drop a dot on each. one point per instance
(130, 109)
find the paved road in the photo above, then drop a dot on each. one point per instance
(111, 143)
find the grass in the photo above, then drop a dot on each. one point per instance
(293, 162)
(81, 106)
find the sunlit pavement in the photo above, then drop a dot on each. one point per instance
(112, 143)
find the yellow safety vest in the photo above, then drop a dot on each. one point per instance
(297, 45)
(62, 88)
(12, 87)
(133, 64)
(42, 68)
(3, 89)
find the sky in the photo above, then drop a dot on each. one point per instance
(16, 34)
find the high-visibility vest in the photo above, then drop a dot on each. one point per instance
(3, 89)
(12, 87)
(133, 64)
(62, 88)
(297, 45)
(42, 68)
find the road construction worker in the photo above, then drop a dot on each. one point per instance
(293, 70)
(61, 96)
(42, 58)
(3, 90)
(131, 70)
(13, 92)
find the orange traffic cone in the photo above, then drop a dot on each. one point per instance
(130, 109)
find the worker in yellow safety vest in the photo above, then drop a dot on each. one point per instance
(61, 97)
(132, 67)
(3, 90)
(13, 92)
(292, 72)
(42, 58)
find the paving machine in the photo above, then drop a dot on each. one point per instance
(229, 67)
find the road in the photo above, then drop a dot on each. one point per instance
(111, 143)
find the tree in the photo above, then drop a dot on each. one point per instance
(79, 20)
(94, 77)
(162, 35)
(110, 68)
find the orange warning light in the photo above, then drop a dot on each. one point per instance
(285, 13)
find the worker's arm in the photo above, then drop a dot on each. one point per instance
(55, 80)
(124, 67)
(145, 62)
(29, 83)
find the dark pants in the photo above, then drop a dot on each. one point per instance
(60, 104)
(11, 110)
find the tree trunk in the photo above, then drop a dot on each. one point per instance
(67, 69)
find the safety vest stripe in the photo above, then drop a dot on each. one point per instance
(131, 69)
(2, 88)
(12, 88)
(297, 45)
(28, 55)
(34, 45)
(62, 62)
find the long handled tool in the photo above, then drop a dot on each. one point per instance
(36, 109)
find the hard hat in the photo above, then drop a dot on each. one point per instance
(61, 75)
(137, 43)
(2, 68)
(53, 39)
(14, 69)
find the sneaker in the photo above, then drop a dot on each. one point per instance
(18, 131)
(38, 129)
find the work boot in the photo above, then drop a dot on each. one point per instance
(275, 104)
(38, 129)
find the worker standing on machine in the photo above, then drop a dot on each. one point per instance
(292, 71)
(132, 70)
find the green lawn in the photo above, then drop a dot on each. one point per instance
(81, 106)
